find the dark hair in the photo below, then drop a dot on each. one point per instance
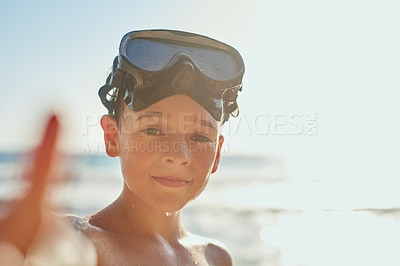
(112, 94)
(118, 94)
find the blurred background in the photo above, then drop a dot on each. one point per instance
(309, 172)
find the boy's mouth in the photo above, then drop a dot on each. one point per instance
(171, 181)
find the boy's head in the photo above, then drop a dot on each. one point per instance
(168, 94)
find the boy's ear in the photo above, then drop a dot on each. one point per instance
(110, 128)
(217, 157)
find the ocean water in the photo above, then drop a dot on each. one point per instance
(252, 204)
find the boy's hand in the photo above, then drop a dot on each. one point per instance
(42, 238)
(21, 225)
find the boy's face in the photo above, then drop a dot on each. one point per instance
(167, 150)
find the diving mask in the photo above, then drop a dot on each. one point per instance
(155, 64)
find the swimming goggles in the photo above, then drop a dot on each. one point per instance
(155, 64)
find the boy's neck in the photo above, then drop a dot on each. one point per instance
(130, 215)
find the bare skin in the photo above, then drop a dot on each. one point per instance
(115, 246)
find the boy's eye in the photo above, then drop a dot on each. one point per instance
(152, 131)
(201, 138)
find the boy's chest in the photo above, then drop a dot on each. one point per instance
(122, 252)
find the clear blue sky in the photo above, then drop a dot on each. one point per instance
(337, 59)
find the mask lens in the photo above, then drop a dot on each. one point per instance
(149, 55)
(154, 55)
(216, 64)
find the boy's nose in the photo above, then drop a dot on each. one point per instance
(178, 153)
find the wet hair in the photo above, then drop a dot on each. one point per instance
(120, 107)
(113, 98)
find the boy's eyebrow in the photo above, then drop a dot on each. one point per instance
(203, 122)
(149, 115)
(208, 123)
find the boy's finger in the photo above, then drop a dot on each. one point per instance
(42, 160)
(21, 225)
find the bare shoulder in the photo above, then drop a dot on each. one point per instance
(96, 235)
(78, 223)
(215, 252)
(83, 226)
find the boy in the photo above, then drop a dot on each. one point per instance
(167, 96)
